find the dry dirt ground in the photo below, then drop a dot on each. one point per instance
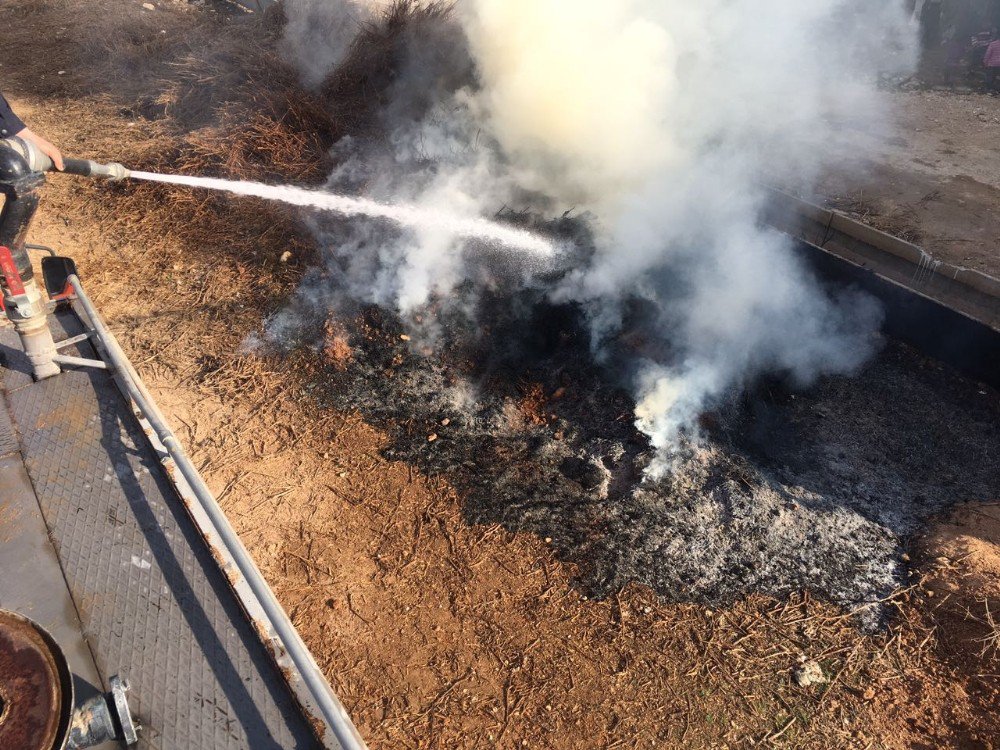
(933, 178)
(437, 634)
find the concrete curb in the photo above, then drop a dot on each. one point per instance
(964, 290)
(948, 312)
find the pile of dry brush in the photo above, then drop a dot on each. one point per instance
(219, 100)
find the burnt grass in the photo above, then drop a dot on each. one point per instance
(818, 489)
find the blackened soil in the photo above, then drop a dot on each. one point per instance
(785, 490)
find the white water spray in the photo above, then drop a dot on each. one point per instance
(411, 216)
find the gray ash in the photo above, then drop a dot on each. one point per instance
(785, 490)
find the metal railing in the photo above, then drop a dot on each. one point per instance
(325, 704)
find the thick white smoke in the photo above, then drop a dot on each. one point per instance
(318, 33)
(662, 118)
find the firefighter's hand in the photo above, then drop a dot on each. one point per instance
(44, 146)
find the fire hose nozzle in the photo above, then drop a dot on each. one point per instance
(116, 171)
(39, 162)
(87, 168)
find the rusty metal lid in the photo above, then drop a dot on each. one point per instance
(36, 694)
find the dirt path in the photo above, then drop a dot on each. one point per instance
(437, 634)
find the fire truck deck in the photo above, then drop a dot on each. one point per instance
(99, 549)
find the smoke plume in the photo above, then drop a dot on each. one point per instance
(318, 33)
(661, 121)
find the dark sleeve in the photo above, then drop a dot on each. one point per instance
(10, 124)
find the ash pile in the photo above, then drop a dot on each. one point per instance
(785, 489)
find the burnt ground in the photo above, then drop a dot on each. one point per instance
(816, 489)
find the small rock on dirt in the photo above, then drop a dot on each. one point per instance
(809, 674)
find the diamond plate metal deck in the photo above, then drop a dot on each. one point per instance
(13, 363)
(8, 438)
(33, 582)
(153, 604)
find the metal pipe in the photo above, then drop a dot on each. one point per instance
(30, 318)
(332, 711)
(72, 340)
(66, 359)
(40, 248)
